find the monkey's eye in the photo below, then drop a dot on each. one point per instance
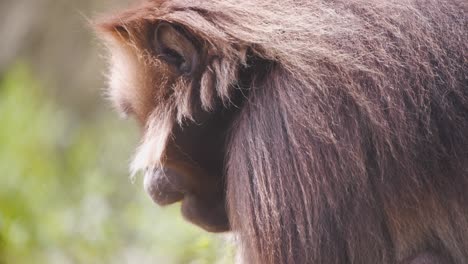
(171, 45)
(173, 57)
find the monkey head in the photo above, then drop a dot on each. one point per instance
(170, 76)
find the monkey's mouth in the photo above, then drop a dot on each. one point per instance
(166, 186)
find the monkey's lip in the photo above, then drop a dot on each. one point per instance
(165, 186)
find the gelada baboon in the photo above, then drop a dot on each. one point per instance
(321, 131)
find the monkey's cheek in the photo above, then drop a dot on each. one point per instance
(209, 214)
(164, 186)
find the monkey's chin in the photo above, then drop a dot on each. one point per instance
(166, 186)
(209, 215)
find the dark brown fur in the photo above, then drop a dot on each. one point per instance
(344, 124)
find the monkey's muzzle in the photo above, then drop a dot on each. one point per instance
(205, 209)
(165, 186)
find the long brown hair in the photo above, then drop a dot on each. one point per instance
(351, 141)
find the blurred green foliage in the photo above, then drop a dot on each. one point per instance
(64, 193)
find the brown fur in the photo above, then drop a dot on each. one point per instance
(341, 126)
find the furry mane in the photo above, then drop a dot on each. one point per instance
(354, 132)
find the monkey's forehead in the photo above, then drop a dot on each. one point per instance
(146, 11)
(133, 16)
(134, 23)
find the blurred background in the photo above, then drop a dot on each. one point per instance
(65, 194)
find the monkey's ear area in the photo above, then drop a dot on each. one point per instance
(173, 45)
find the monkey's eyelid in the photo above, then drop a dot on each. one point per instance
(174, 61)
(172, 55)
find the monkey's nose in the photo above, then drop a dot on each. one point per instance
(165, 186)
